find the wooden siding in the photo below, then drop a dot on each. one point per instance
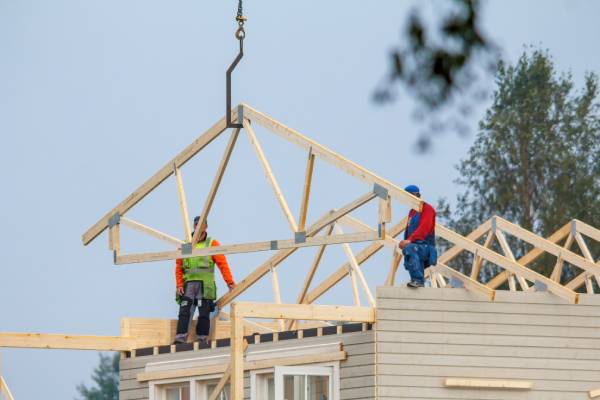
(357, 373)
(427, 335)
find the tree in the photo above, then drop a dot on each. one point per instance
(106, 377)
(536, 158)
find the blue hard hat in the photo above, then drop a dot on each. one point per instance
(412, 189)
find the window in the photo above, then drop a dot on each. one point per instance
(211, 385)
(262, 386)
(305, 383)
(179, 391)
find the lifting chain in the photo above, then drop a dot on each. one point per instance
(240, 34)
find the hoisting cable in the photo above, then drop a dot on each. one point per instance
(240, 34)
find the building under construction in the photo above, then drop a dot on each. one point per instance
(519, 335)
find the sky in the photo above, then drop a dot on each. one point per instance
(96, 96)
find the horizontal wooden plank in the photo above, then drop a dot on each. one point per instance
(358, 381)
(247, 247)
(135, 394)
(486, 361)
(557, 343)
(359, 360)
(560, 385)
(559, 310)
(459, 294)
(304, 311)
(357, 393)
(492, 349)
(469, 383)
(488, 329)
(357, 370)
(61, 341)
(470, 394)
(490, 371)
(488, 317)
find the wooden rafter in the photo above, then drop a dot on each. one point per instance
(306, 190)
(216, 182)
(183, 208)
(270, 176)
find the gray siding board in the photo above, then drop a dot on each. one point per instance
(499, 340)
(427, 335)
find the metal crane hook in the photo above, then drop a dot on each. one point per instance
(240, 34)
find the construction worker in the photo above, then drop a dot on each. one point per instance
(418, 246)
(196, 286)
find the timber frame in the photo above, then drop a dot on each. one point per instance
(328, 229)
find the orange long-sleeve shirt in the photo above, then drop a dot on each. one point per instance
(219, 259)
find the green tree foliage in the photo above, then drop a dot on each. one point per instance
(106, 378)
(536, 158)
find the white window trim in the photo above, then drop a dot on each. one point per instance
(332, 369)
(194, 382)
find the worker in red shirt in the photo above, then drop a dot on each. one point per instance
(418, 246)
(195, 279)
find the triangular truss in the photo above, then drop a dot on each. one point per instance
(327, 230)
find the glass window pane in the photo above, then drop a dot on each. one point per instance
(181, 392)
(294, 387)
(318, 387)
(271, 388)
(224, 394)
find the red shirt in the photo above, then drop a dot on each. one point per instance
(219, 259)
(426, 225)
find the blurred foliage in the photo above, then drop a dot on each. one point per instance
(106, 378)
(438, 65)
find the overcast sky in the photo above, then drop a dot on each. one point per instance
(96, 96)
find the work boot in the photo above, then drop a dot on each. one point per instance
(202, 339)
(179, 339)
(414, 284)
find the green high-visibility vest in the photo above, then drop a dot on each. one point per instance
(202, 269)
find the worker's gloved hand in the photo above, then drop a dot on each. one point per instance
(231, 286)
(180, 291)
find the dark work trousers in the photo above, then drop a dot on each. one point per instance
(192, 297)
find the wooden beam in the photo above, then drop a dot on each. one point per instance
(354, 285)
(587, 230)
(547, 246)
(594, 393)
(454, 251)
(361, 257)
(183, 208)
(467, 383)
(5, 390)
(506, 263)
(281, 255)
(62, 341)
(224, 378)
(216, 183)
(269, 174)
(558, 267)
(396, 258)
(313, 269)
(151, 231)
(356, 269)
(508, 253)
(305, 312)
(331, 157)
(247, 247)
(211, 134)
(468, 282)
(359, 226)
(306, 191)
(237, 354)
(276, 293)
(477, 261)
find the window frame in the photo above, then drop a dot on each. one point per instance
(330, 369)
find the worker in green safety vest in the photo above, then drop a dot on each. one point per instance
(196, 286)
